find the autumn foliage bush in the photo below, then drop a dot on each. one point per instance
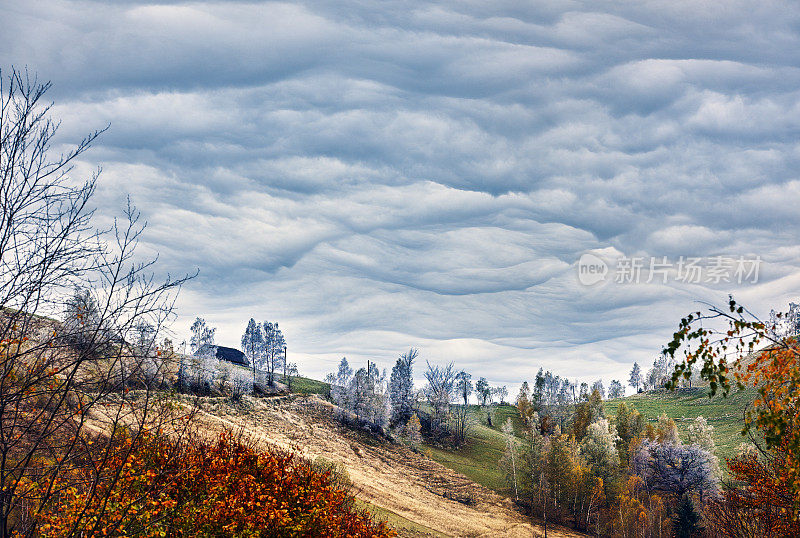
(155, 487)
(760, 503)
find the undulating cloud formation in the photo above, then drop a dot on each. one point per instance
(377, 175)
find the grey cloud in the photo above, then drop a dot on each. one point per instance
(376, 175)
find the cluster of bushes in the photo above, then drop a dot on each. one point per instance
(152, 486)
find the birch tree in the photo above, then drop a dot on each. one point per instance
(252, 343)
(510, 457)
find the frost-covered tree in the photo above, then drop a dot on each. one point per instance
(359, 392)
(401, 388)
(151, 367)
(509, 461)
(502, 393)
(439, 392)
(701, 433)
(274, 344)
(368, 396)
(363, 394)
(667, 430)
(464, 386)
(598, 386)
(616, 390)
(635, 380)
(599, 448)
(240, 383)
(562, 410)
(584, 392)
(339, 383)
(252, 347)
(537, 393)
(661, 372)
(784, 324)
(252, 343)
(202, 335)
(483, 391)
(82, 326)
(291, 372)
(204, 364)
(675, 469)
(461, 416)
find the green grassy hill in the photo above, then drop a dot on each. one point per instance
(478, 458)
(305, 385)
(726, 415)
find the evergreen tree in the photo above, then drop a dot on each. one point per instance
(686, 521)
(413, 430)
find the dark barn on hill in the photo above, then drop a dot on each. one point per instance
(231, 355)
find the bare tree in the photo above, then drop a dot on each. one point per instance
(68, 390)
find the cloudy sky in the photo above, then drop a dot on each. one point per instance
(376, 174)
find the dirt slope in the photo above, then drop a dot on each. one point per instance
(390, 476)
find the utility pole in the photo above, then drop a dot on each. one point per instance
(284, 364)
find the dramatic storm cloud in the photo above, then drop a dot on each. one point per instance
(376, 175)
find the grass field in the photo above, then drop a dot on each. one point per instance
(684, 405)
(305, 385)
(478, 458)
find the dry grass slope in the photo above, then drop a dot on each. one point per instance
(417, 495)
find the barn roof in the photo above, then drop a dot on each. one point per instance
(231, 355)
